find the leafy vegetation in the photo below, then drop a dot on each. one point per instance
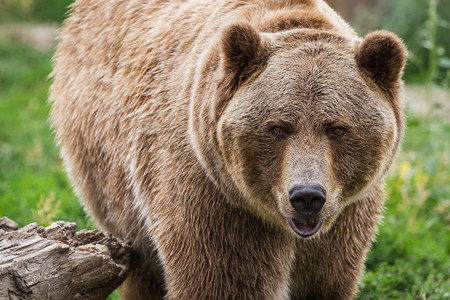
(410, 259)
(424, 25)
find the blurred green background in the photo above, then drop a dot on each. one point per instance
(409, 260)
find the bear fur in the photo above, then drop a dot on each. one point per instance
(183, 126)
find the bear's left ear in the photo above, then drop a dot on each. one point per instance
(382, 56)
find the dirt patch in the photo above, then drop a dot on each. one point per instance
(41, 37)
(435, 104)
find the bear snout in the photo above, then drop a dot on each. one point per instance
(307, 200)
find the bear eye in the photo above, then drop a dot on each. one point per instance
(335, 132)
(279, 131)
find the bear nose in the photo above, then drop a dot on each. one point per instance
(307, 200)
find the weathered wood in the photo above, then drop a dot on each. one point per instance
(57, 262)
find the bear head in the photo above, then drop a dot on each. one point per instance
(297, 125)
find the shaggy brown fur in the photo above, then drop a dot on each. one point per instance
(184, 125)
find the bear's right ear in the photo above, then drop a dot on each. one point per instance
(241, 48)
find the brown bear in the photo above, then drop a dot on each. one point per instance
(239, 145)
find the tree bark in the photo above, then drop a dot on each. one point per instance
(57, 262)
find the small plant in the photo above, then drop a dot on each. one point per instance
(46, 210)
(410, 188)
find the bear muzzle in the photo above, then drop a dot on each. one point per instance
(307, 201)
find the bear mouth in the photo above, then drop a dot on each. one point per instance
(305, 228)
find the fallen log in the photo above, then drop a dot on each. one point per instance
(57, 262)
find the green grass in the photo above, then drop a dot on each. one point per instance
(30, 166)
(410, 259)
